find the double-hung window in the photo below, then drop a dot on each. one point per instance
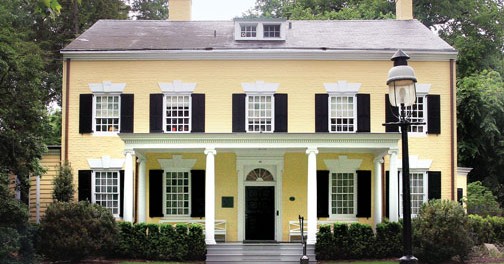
(343, 194)
(107, 113)
(418, 191)
(177, 193)
(177, 115)
(106, 190)
(342, 113)
(260, 113)
(417, 113)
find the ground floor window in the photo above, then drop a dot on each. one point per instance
(418, 191)
(106, 190)
(177, 198)
(342, 195)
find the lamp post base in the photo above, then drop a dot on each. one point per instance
(408, 260)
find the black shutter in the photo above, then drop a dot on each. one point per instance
(84, 188)
(391, 114)
(363, 193)
(434, 186)
(321, 113)
(156, 193)
(387, 192)
(239, 112)
(281, 108)
(363, 113)
(85, 113)
(433, 114)
(121, 191)
(156, 113)
(460, 196)
(322, 193)
(198, 112)
(197, 193)
(127, 111)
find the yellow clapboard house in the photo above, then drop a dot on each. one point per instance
(244, 125)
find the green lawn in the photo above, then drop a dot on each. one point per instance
(361, 262)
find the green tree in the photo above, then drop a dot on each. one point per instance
(480, 126)
(63, 184)
(23, 115)
(481, 201)
(54, 137)
(150, 9)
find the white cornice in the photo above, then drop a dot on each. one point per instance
(369, 142)
(257, 54)
(177, 86)
(107, 87)
(105, 162)
(260, 87)
(342, 87)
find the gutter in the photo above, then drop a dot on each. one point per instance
(452, 127)
(67, 107)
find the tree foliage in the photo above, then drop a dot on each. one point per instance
(150, 9)
(63, 184)
(481, 201)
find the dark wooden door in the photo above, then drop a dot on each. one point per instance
(259, 213)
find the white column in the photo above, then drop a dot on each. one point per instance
(141, 190)
(128, 187)
(210, 196)
(312, 196)
(393, 187)
(378, 190)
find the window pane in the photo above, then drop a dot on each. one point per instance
(341, 114)
(107, 113)
(260, 113)
(107, 190)
(342, 193)
(177, 193)
(177, 114)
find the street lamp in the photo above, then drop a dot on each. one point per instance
(402, 93)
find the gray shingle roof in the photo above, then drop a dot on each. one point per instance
(127, 35)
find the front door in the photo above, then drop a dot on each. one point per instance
(260, 213)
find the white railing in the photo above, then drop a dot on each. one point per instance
(220, 226)
(295, 228)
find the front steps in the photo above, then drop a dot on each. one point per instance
(265, 253)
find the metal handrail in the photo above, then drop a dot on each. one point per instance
(304, 259)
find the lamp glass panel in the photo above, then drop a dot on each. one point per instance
(402, 92)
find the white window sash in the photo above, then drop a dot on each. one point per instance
(95, 95)
(93, 188)
(354, 107)
(355, 193)
(425, 184)
(189, 117)
(248, 117)
(165, 193)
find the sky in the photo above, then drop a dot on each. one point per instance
(219, 9)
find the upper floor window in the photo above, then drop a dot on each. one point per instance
(271, 31)
(427, 109)
(178, 113)
(260, 110)
(342, 109)
(106, 110)
(342, 113)
(177, 109)
(106, 113)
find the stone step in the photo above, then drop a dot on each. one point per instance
(258, 253)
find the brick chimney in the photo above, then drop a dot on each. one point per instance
(179, 10)
(404, 9)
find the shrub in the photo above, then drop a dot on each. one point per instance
(388, 240)
(63, 184)
(168, 240)
(497, 224)
(441, 231)
(341, 249)
(325, 241)
(196, 243)
(361, 240)
(481, 229)
(481, 201)
(74, 231)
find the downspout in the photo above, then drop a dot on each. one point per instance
(452, 126)
(67, 107)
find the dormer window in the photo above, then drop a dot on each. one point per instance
(248, 31)
(271, 31)
(260, 29)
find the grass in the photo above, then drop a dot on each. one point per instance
(361, 262)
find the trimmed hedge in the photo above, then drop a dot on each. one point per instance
(160, 242)
(488, 229)
(357, 241)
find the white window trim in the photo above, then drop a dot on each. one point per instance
(164, 112)
(272, 24)
(342, 88)
(93, 187)
(422, 90)
(354, 106)
(272, 113)
(425, 188)
(176, 164)
(105, 133)
(343, 165)
(260, 29)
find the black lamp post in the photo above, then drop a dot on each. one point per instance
(402, 93)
